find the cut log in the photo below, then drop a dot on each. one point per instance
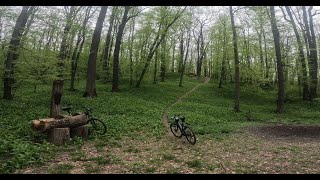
(81, 131)
(43, 125)
(59, 136)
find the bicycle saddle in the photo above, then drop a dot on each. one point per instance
(66, 108)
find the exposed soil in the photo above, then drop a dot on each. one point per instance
(294, 133)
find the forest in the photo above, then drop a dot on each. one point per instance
(244, 77)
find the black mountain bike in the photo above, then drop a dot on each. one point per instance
(179, 128)
(96, 125)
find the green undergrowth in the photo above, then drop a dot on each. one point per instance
(133, 112)
(137, 112)
(209, 110)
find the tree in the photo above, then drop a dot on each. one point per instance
(312, 59)
(77, 50)
(91, 70)
(184, 62)
(13, 53)
(161, 33)
(115, 77)
(105, 58)
(236, 63)
(305, 90)
(70, 15)
(276, 37)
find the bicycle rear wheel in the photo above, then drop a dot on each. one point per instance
(98, 126)
(175, 130)
(191, 137)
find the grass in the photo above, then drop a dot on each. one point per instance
(137, 112)
(126, 113)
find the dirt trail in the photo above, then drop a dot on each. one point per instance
(165, 112)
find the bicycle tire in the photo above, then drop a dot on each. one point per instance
(191, 137)
(98, 126)
(175, 130)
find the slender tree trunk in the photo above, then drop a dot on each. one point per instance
(304, 79)
(32, 11)
(163, 60)
(76, 53)
(185, 60)
(276, 37)
(173, 52)
(223, 64)
(155, 71)
(63, 47)
(265, 54)
(107, 47)
(131, 53)
(13, 53)
(236, 64)
(156, 44)
(115, 79)
(314, 57)
(91, 70)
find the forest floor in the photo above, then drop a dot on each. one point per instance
(258, 148)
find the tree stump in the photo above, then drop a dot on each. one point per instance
(81, 131)
(59, 136)
(56, 94)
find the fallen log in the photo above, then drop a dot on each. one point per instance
(43, 125)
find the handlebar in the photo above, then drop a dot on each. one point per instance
(68, 109)
(177, 117)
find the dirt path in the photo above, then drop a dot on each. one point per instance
(165, 112)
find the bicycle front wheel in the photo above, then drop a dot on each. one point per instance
(98, 126)
(191, 137)
(175, 130)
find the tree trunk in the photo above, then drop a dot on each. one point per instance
(185, 60)
(13, 53)
(173, 52)
(57, 88)
(236, 64)
(304, 79)
(63, 47)
(131, 53)
(91, 70)
(276, 37)
(163, 60)
(265, 54)
(115, 74)
(107, 47)
(76, 53)
(223, 64)
(156, 44)
(155, 71)
(314, 57)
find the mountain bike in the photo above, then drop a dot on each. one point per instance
(96, 125)
(180, 128)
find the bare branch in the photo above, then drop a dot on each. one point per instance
(284, 15)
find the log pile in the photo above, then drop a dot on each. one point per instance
(60, 130)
